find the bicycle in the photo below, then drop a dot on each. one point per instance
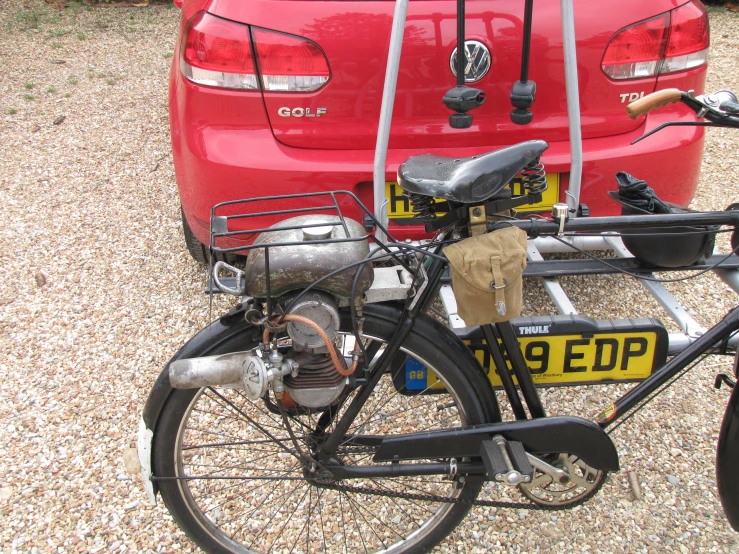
(332, 389)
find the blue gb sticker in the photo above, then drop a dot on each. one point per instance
(415, 374)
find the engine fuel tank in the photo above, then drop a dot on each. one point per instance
(298, 265)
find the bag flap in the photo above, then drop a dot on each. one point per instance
(479, 259)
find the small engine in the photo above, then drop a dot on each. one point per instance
(317, 383)
(313, 372)
(303, 251)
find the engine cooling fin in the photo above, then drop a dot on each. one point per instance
(316, 371)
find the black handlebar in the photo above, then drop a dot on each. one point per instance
(719, 109)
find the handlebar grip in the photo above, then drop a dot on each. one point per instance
(653, 101)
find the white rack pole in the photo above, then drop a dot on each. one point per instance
(573, 105)
(386, 115)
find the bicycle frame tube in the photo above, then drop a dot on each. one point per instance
(407, 320)
(719, 332)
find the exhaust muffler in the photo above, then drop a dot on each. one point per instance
(243, 370)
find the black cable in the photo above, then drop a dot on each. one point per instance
(643, 278)
(369, 258)
(461, 46)
(657, 392)
(373, 257)
(526, 46)
(686, 233)
(353, 309)
(437, 313)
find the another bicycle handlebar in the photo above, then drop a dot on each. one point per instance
(721, 107)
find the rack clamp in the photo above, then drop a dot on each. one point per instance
(560, 215)
(523, 95)
(462, 99)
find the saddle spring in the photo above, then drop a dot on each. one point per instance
(422, 206)
(534, 177)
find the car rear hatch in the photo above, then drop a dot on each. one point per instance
(354, 37)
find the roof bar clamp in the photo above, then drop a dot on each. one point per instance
(462, 99)
(523, 93)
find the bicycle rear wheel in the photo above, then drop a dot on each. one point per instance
(237, 485)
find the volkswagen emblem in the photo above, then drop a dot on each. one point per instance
(478, 61)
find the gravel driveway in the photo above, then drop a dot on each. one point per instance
(97, 292)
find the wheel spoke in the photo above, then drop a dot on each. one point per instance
(292, 513)
(394, 501)
(371, 527)
(250, 420)
(235, 443)
(239, 483)
(343, 527)
(285, 495)
(356, 524)
(320, 512)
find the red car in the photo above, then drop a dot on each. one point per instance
(283, 96)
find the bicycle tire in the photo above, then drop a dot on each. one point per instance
(200, 506)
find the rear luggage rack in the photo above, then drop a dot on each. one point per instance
(317, 219)
(251, 208)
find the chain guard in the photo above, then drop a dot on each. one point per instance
(533, 505)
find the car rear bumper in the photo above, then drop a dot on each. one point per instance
(215, 163)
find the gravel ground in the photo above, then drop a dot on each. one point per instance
(98, 292)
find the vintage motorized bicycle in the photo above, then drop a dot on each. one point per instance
(332, 411)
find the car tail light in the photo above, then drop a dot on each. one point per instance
(637, 50)
(289, 63)
(218, 53)
(689, 39)
(674, 41)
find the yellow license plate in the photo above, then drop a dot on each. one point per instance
(399, 206)
(573, 359)
(566, 359)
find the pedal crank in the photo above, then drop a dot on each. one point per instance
(506, 461)
(557, 475)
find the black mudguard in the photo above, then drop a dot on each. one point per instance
(727, 461)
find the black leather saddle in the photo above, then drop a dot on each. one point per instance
(467, 180)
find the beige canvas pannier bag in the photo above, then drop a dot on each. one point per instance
(487, 275)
